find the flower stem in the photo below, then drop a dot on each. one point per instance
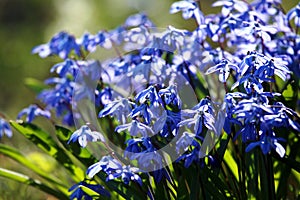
(270, 175)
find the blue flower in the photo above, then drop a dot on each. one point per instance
(33, 111)
(201, 114)
(191, 156)
(104, 96)
(294, 13)
(282, 117)
(102, 39)
(119, 108)
(173, 39)
(224, 70)
(266, 6)
(90, 42)
(189, 10)
(140, 19)
(61, 44)
(273, 67)
(170, 98)
(229, 5)
(87, 41)
(134, 145)
(67, 67)
(142, 111)
(136, 37)
(127, 173)
(184, 142)
(170, 127)
(267, 143)
(250, 112)
(106, 163)
(257, 29)
(250, 62)
(256, 68)
(149, 160)
(59, 97)
(150, 67)
(114, 169)
(79, 191)
(117, 35)
(120, 66)
(135, 128)
(4, 128)
(149, 96)
(142, 150)
(232, 22)
(251, 109)
(84, 134)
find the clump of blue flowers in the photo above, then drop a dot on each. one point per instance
(172, 148)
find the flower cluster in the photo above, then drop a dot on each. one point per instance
(142, 91)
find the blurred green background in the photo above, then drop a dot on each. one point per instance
(25, 24)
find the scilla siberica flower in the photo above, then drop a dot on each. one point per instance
(135, 128)
(294, 13)
(142, 150)
(201, 114)
(255, 28)
(90, 42)
(189, 9)
(33, 111)
(114, 169)
(104, 96)
(61, 44)
(59, 97)
(4, 128)
(224, 68)
(268, 143)
(118, 108)
(64, 68)
(84, 135)
(252, 113)
(229, 5)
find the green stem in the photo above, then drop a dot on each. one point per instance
(243, 181)
(270, 175)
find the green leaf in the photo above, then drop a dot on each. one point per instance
(232, 164)
(183, 189)
(17, 156)
(221, 150)
(288, 93)
(201, 88)
(289, 162)
(214, 185)
(45, 142)
(92, 193)
(35, 85)
(32, 182)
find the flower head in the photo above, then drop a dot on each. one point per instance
(84, 134)
(33, 111)
(189, 9)
(266, 144)
(294, 13)
(61, 44)
(224, 68)
(4, 128)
